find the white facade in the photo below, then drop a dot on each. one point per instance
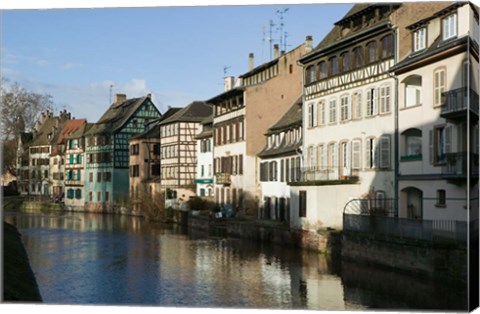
(204, 177)
(435, 141)
(39, 158)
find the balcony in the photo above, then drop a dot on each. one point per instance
(223, 178)
(455, 104)
(72, 182)
(455, 166)
(329, 175)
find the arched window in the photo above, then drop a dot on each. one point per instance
(412, 144)
(372, 54)
(387, 46)
(345, 59)
(357, 57)
(413, 90)
(310, 74)
(333, 66)
(322, 70)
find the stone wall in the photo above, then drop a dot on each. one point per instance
(448, 261)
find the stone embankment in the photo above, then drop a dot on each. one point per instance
(19, 283)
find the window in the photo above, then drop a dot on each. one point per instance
(78, 194)
(310, 74)
(413, 91)
(370, 157)
(345, 108)
(345, 57)
(357, 57)
(441, 198)
(321, 112)
(385, 152)
(70, 193)
(99, 196)
(385, 99)
(90, 196)
(440, 142)
(387, 46)
(412, 144)
(312, 116)
(322, 156)
(107, 176)
(333, 111)
(438, 86)
(106, 196)
(302, 204)
(419, 39)
(449, 26)
(371, 105)
(322, 70)
(312, 156)
(357, 105)
(372, 52)
(332, 156)
(334, 66)
(356, 154)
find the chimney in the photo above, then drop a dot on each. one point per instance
(119, 98)
(228, 83)
(275, 51)
(308, 44)
(149, 96)
(250, 61)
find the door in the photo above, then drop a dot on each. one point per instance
(414, 203)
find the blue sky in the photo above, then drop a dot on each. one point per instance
(176, 53)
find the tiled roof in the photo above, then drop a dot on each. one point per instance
(48, 132)
(154, 132)
(194, 112)
(293, 117)
(117, 115)
(70, 127)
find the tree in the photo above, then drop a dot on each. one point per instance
(20, 109)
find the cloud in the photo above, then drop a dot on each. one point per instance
(69, 66)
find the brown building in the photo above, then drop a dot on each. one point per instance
(242, 115)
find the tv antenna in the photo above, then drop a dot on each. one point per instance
(225, 69)
(283, 36)
(270, 39)
(111, 88)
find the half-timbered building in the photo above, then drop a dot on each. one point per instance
(349, 113)
(179, 149)
(107, 151)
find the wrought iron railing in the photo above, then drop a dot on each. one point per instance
(456, 164)
(318, 173)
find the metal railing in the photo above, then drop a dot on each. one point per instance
(456, 164)
(318, 173)
(457, 100)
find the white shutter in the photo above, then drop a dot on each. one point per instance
(368, 157)
(375, 98)
(335, 156)
(356, 153)
(324, 157)
(369, 103)
(385, 152)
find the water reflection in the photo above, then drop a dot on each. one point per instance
(81, 258)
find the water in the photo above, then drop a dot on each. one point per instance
(81, 258)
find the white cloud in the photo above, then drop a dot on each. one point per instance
(69, 66)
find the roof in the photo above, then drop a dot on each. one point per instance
(293, 117)
(117, 115)
(46, 135)
(26, 137)
(194, 112)
(70, 127)
(154, 132)
(81, 131)
(226, 95)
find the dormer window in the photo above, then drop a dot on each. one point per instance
(449, 26)
(334, 66)
(419, 39)
(322, 70)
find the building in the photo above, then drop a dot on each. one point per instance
(45, 135)
(438, 116)
(350, 115)
(107, 151)
(241, 115)
(179, 151)
(74, 168)
(204, 177)
(23, 163)
(277, 164)
(57, 159)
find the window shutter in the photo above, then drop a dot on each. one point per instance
(375, 100)
(368, 156)
(369, 104)
(430, 146)
(335, 156)
(385, 152)
(240, 164)
(356, 151)
(448, 139)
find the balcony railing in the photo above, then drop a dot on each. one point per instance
(456, 102)
(223, 178)
(456, 165)
(328, 174)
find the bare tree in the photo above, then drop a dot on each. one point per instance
(20, 109)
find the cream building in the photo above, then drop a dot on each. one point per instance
(349, 115)
(204, 178)
(438, 117)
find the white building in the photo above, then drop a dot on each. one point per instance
(204, 178)
(277, 164)
(438, 117)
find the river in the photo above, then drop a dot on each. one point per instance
(82, 258)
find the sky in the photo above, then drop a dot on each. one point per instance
(82, 57)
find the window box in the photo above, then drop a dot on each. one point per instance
(411, 157)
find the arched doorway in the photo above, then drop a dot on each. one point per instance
(412, 199)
